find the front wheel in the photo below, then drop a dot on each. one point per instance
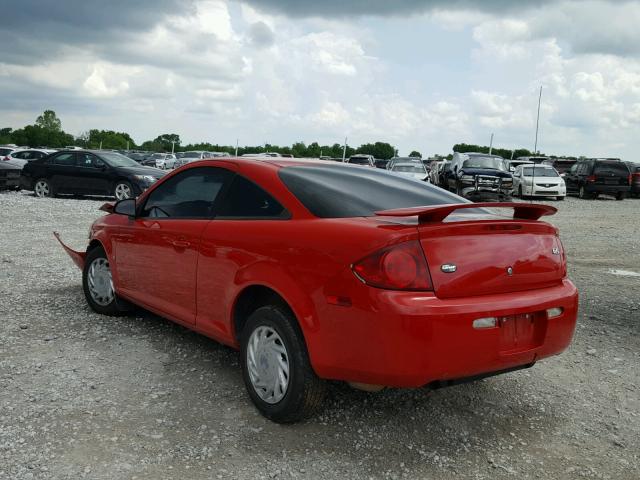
(123, 190)
(621, 196)
(582, 193)
(97, 285)
(276, 368)
(560, 198)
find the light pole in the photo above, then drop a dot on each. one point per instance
(344, 149)
(173, 142)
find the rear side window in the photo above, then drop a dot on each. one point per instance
(67, 159)
(190, 194)
(246, 200)
(340, 191)
(609, 168)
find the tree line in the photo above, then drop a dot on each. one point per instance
(47, 132)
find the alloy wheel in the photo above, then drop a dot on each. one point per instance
(100, 282)
(123, 191)
(41, 189)
(268, 364)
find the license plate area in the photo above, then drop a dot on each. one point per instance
(521, 332)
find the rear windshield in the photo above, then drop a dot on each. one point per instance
(616, 168)
(409, 168)
(340, 191)
(359, 160)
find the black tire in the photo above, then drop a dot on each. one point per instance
(43, 188)
(621, 195)
(582, 193)
(305, 391)
(520, 191)
(559, 198)
(116, 306)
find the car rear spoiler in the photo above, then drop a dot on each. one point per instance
(437, 213)
(77, 257)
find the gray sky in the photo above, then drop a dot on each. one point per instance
(419, 74)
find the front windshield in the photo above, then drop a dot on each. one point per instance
(539, 172)
(118, 160)
(192, 155)
(484, 162)
(414, 168)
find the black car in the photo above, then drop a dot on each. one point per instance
(634, 168)
(591, 177)
(9, 176)
(88, 172)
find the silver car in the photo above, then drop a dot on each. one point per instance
(415, 170)
(164, 161)
(192, 156)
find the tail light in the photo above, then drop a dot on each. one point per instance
(591, 178)
(6, 158)
(630, 179)
(399, 267)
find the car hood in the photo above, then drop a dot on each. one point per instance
(141, 170)
(9, 165)
(550, 180)
(485, 171)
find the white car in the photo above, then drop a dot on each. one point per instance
(538, 181)
(192, 156)
(22, 156)
(164, 161)
(415, 170)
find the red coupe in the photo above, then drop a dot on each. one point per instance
(323, 271)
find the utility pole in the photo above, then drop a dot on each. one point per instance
(100, 145)
(237, 147)
(491, 144)
(535, 146)
(344, 149)
(172, 145)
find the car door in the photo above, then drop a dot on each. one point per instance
(92, 175)
(571, 178)
(61, 171)
(157, 252)
(245, 210)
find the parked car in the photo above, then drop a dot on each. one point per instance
(139, 157)
(378, 162)
(319, 271)
(192, 156)
(6, 151)
(480, 176)
(634, 168)
(589, 178)
(511, 165)
(163, 161)
(415, 170)
(88, 172)
(22, 157)
(362, 160)
(394, 160)
(531, 180)
(9, 176)
(562, 165)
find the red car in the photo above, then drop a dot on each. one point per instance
(324, 271)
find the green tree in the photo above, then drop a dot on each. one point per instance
(415, 153)
(378, 150)
(49, 121)
(168, 141)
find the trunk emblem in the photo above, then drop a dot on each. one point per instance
(448, 268)
(555, 251)
(510, 271)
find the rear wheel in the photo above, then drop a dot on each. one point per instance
(520, 191)
(559, 198)
(621, 196)
(276, 368)
(123, 190)
(582, 193)
(43, 188)
(98, 285)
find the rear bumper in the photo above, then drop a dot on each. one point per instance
(410, 339)
(606, 189)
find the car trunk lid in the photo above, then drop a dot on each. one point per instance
(480, 252)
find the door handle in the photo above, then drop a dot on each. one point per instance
(181, 243)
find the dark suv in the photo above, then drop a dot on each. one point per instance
(592, 177)
(479, 176)
(635, 178)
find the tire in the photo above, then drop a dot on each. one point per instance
(582, 193)
(621, 196)
(304, 392)
(42, 188)
(559, 198)
(122, 190)
(520, 191)
(100, 295)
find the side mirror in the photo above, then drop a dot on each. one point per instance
(126, 207)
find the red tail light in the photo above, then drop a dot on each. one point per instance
(400, 267)
(591, 178)
(630, 179)
(6, 158)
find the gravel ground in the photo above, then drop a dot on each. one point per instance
(86, 396)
